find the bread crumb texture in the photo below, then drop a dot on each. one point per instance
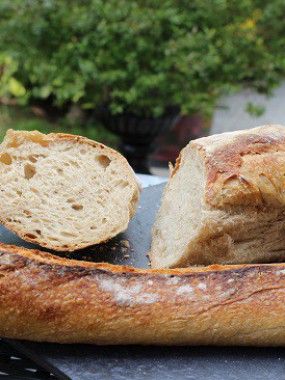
(64, 192)
(225, 202)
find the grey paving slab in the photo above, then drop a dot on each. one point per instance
(234, 116)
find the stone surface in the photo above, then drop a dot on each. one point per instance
(83, 362)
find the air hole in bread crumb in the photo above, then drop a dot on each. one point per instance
(123, 184)
(34, 190)
(93, 228)
(83, 151)
(60, 171)
(104, 220)
(103, 161)
(75, 164)
(27, 212)
(6, 159)
(63, 233)
(66, 149)
(70, 200)
(32, 159)
(29, 171)
(77, 207)
(19, 192)
(31, 236)
(38, 232)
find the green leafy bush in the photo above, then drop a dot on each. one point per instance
(9, 86)
(21, 118)
(142, 55)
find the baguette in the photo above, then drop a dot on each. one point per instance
(64, 192)
(225, 202)
(46, 298)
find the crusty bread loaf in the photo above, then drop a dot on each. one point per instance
(225, 202)
(46, 298)
(64, 192)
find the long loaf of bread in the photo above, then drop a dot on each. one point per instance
(46, 298)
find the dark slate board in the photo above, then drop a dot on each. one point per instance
(85, 362)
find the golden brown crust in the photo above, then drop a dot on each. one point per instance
(177, 164)
(245, 168)
(45, 298)
(16, 138)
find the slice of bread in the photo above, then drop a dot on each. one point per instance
(64, 192)
(225, 202)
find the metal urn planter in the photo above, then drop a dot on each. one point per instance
(138, 133)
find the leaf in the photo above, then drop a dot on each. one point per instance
(15, 87)
(44, 92)
(255, 109)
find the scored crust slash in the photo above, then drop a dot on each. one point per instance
(46, 298)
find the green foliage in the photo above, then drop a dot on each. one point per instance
(255, 109)
(142, 55)
(21, 118)
(9, 86)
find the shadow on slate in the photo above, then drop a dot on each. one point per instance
(83, 362)
(86, 362)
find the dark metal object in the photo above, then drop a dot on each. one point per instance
(87, 362)
(16, 366)
(83, 362)
(138, 133)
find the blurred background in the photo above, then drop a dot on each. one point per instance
(142, 76)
